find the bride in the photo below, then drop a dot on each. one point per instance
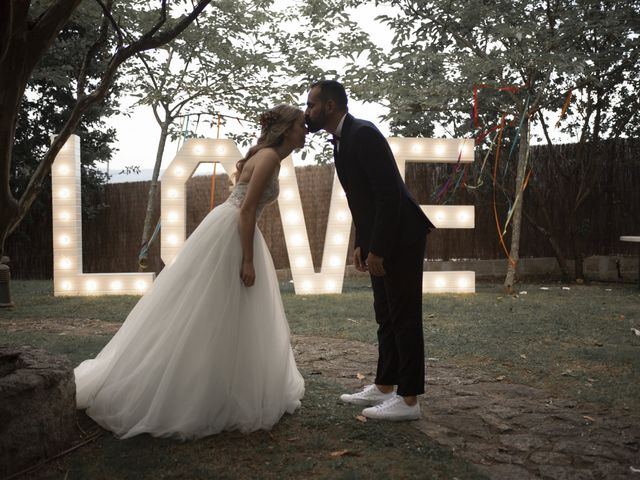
(207, 348)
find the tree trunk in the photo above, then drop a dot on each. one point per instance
(151, 213)
(553, 242)
(516, 217)
(10, 95)
(14, 75)
(576, 243)
(547, 230)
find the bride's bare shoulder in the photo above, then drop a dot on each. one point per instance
(268, 154)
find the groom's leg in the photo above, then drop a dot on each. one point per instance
(387, 371)
(403, 284)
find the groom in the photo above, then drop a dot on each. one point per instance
(391, 232)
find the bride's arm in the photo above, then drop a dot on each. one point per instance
(265, 164)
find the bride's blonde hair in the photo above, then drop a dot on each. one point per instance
(274, 123)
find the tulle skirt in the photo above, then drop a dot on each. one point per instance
(200, 352)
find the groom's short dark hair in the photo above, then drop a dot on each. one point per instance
(332, 90)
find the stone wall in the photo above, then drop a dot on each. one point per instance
(37, 407)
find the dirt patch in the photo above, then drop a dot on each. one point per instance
(61, 326)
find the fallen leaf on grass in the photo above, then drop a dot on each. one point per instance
(339, 453)
(360, 376)
(361, 418)
(500, 378)
(522, 355)
(431, 315)
(587, 417)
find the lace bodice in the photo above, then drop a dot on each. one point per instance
(271, 192)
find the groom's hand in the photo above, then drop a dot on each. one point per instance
(357, 260)
(375, 265)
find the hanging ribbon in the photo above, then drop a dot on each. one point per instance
(567, 101)
(516, 137)
(495, 207)
(213, 177)
(484, 163)
(213, 187)
(518, 195)
(511, 88)
(440, 193)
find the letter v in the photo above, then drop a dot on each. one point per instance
(336, 244)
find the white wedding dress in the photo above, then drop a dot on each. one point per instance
(200, 352)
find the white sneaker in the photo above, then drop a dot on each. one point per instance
(394, 409)
(369, 396)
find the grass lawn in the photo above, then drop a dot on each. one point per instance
(574, 341)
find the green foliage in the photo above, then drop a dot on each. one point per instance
(51, 95)
(441, 49)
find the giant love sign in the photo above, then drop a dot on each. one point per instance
(67, 227)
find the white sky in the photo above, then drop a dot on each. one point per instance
(138, 133)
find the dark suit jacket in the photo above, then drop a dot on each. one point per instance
(385, 214)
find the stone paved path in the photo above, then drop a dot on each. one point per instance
(509, 431)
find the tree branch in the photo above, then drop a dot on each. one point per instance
(106, 10)
(146, 42)
(47, 27)
(92, 51)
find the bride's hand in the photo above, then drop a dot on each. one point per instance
(247, 273)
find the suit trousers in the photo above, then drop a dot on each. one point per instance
(397, 301)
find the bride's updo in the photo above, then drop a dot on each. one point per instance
(274, 123)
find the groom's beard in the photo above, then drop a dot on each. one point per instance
(312, 126)
(317, 125)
